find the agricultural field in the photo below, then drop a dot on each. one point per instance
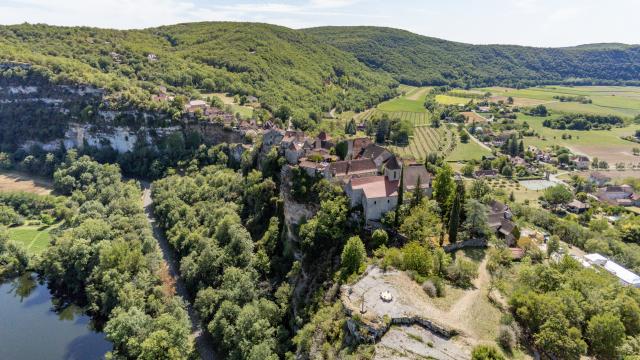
(425, 140)
(414, 93)
(520, 192)
(603, 144)
(452, 100)
(33, 238)
(15, 181)
(614, 100)
(412, 100)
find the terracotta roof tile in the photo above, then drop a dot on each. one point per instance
(375, 186)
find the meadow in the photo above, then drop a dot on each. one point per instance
(603, 144)
(246, 112)
(614, 100)
(411, 100)
(33, 238)
(469, 151)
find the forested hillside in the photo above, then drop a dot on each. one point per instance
(419, 60)
(278, 65)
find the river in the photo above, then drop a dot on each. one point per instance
(30, 328)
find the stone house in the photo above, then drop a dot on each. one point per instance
(270, 138)
(582, 162)
(499, 220)
(412, 173)
(376, 194)
(294, 152)
(342, 170)
(356, 146)
(194, 105)
(377, 153)
(289, 137)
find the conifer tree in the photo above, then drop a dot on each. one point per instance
(454, 215)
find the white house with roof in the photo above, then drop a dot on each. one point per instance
(625, 276)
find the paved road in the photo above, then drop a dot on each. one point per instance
(555, 178)
(204, 343)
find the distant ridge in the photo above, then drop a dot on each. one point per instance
(311, 70)
(420, 60)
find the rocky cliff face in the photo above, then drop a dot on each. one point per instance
(36, 112)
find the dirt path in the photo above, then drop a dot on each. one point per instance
(460, 311)
(479, 142)
(470, 296)
(204, 342)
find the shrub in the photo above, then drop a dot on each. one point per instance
(462, 271)
(379, 238)
(486, 352)
(498, 258)
(440, 288)
(429, 287)
(8, 216)
(506, 338)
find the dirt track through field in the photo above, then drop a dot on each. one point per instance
(418, 94)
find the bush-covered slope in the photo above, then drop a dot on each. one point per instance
(420, 60)
(278, 65)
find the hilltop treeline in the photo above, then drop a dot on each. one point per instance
(419, 60)
(278, 65)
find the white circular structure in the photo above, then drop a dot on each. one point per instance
(386, 296)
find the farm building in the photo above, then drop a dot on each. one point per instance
(622, 195)
(625, 276)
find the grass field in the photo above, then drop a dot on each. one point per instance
(604, 144)
(451, 100)
(469, 151)
(34, 239)
(411, 101)
(246, 112)
(15, 181)
(614, 100)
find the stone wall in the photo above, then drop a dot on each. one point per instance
(371, 332)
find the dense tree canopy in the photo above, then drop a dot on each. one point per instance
(107, 259)
(419, 60)
(278, 65)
